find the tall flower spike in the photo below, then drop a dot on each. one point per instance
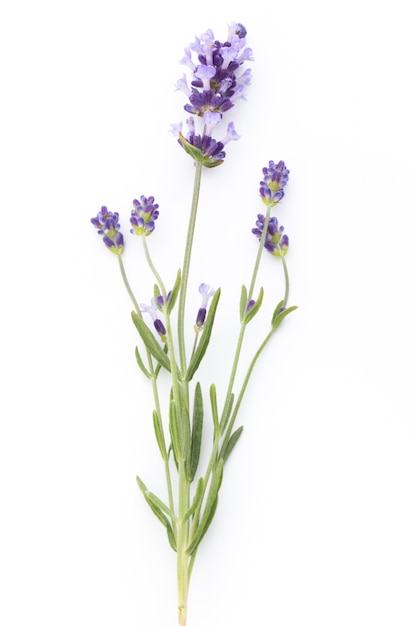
(144, 214)
(276, 242)
(272, 186)
(215, 87)
(108, 226)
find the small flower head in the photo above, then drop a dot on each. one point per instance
(153, 312)
(272, 186)
(144, 214)
(107, 224)
(206, 293)
(276, 242)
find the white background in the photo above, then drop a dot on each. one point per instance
(317, 517)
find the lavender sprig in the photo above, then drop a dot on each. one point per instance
(218, 81)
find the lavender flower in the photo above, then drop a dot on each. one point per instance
(158, 325)
(108, 226)
(276, 242)
(143, 216)
(206, 293)
(272, 186)
(215, 87)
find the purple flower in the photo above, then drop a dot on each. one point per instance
(158, 325)
(276, 242)
(206, 293)
(143, 216)
(108, 226)
(272, 186)
(215, 87)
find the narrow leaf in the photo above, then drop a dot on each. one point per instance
(253, 311)
(184, 429)
(173, 429)
(150, 341)
(214, 410)
(141, 364)
(196, 434)
(279, 316)
(205, 338)
(157, 507)
(209, 509)
(231, 443)
(174, 293)
(226, 413)
(159, 434)
(198, 497)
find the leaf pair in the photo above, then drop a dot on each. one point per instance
(161, 511)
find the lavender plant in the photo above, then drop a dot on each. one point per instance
(186, 510)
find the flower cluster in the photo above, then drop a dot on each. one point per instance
(215, 87)
(271, 191)
(275, 241)
(144, 214)
(108, 226)
(272, 186)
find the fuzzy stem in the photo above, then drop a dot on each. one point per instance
(186, 266)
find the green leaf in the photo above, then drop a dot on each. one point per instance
(226, 413)
(141, 364)
(278, 315)
(198, 497)
(231, 443)
(196, 434)
(174, 293)
(173, 429)
(209, 508)
(214, 410)
(205, 338)
(150, 341)
(243, 302)
(253, 311)
(159, 434)
(158, 508)
(156, 294)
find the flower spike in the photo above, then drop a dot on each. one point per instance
(144, 214)
(272, 186)
(215, 87)
(276, 241)
(107, 224)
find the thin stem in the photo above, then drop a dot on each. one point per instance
(243, 389)
(153, 268)
(153, 379)
(127, 285)
(186, 266)
(243, 323)
(287, 281)
(182, 544)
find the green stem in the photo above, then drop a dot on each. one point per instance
(127, 285)
(182, 544)
(153, 379)
(243, 323)
(243, 389)
(287, 281)
(186, 267)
